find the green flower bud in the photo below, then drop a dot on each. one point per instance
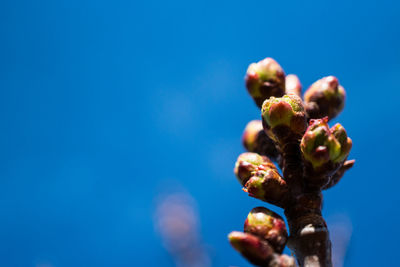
(285, 111)
(325, 97)
(267, 225)
(345, 142)
(247, 163)
(267, 185)
(321, 145)
(293, 85)
(254, 249)
(256, 140)
(264, 79)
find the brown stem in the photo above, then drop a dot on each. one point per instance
(292, 167)
(291, 161)
(309, 236)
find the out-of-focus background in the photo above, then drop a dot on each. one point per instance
(116, 114)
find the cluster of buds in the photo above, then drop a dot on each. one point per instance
(293, 132)
(324, 150)
(263, 239)
(261, 179)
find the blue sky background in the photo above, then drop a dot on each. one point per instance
(104, 102)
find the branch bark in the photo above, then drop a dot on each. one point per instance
(309, 236)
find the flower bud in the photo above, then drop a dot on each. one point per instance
(267, 225)
(293, 85)
(247, 163)
(264, 79)
(268, 185)
(321, 145)
(287, 111)
(325, 97)
(254, 249)
(256, 140)
(345, 142)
